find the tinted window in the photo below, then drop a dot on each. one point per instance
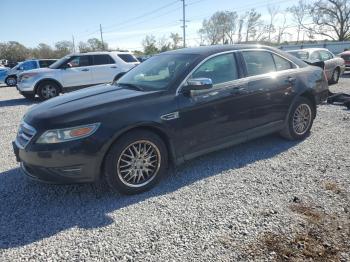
(219, 69)
(300, 54)
(128, 58)
(315, 56)
(281, 63)
(102, 60)
(79, 61)
(29, 65)
(46, 63)
(259, 62)
(325, 55)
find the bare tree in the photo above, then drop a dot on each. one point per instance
(331, 18)
(221, 26)
(253, 22)
(273, 12)
(299, 13)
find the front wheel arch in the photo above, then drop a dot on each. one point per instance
(47, 80)
(162, 134)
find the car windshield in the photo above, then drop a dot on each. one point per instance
(59, 62)
(300, 54)
(158, 72)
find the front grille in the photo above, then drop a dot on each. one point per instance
(25, 134)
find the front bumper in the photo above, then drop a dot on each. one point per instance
(67, 164)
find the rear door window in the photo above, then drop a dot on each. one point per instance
(258, 62)
(128, 58)
(315, 56)
(219, 69)
(102, 60)
(281, 63)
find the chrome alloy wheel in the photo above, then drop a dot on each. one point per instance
(139, 163)
(48, 91)
(302, 119)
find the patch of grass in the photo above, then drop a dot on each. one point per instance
(332, 186)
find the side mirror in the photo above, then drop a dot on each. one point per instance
(197, 84)
(65, 66)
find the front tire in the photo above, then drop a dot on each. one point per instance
(300, 120)
(47, 90)
(136, 162)
(11, 81)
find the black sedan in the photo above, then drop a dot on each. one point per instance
(173, 107)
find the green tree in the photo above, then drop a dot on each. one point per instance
(149, 45)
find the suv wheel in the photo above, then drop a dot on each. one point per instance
(47, 90)
(11, 81)
(335, 76)
(300, 120)
(136, 162)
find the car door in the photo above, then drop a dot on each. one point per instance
(269, 88)
(76, 72)
(210, 118)
(104, 69)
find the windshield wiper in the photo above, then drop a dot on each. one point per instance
(131, 86)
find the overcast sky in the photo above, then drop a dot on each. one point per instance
(125, 23)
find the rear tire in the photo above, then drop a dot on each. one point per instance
(47, 90)
(300, 120)
(136, 162)
(11, 80)
(335, 76)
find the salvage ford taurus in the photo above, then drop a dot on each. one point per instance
(173, 107)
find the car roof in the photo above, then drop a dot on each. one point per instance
(206, 51)
(308, 50)
(101, 53)
(213, 49)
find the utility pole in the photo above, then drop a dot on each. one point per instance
(184, 21)
(73, 41)
(103, 46)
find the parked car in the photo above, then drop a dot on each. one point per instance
(334, 66)
(346, 56)
(75, 71)
(171, 108)
(13, 73)
(3, 74)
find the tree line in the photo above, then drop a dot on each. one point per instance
(327, 18)
(15, 51)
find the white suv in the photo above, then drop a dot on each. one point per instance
(74, 72)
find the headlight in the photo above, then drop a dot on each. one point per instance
(67, 134)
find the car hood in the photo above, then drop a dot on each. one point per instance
(74, 107)
(40, 70)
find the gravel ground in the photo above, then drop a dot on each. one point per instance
(231, 205)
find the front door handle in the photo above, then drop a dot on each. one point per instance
(238, 90)
(85, 70)
(113, 67)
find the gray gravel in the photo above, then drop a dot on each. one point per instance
(211, 209)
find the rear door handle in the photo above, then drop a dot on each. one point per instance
(85, 70)
(291, 80)
(113, 67)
